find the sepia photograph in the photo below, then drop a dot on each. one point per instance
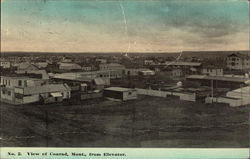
(125, 73)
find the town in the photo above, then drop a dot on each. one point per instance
(124, 95)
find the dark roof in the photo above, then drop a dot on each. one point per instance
(244, 56)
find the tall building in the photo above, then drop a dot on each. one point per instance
(238, 61)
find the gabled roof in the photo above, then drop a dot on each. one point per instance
(41, 64)
(237, 54)
(26, 65)
(69, 66)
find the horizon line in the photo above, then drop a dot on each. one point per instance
(119, 52)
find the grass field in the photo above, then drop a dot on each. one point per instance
(145, 122)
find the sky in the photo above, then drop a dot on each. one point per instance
(124, 25)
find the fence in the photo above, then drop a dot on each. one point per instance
(157, 93)
(232, 102)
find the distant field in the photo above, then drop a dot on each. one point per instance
(146, 122)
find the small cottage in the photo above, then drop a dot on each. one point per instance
(120, 94)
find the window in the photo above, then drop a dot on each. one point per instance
(9, 82)
(19, 82)
(25, 83)
(9, 93)
(18, 96)
(3, 91)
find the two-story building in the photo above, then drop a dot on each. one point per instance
(24, 90)
(238, 61)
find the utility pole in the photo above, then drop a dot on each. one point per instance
(241, 94)
(46, 127)
(212, 90)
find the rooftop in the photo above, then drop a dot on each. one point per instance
(247, 56)
(181, 63)
(119, 89)
(219, 78)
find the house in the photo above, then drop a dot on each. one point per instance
(5, 64)
(26, 67)
(102, 61)
(212, 71)
(76, 82)
(146, 73)
(133, 71)
(36, 73)
(66, 60)
(112, 74)
(177, 72)
(120, 94)
(182, 64)
(86, 68)
(82, 87)
(238, 61)
(187, 68)
(24, 90)
(148, 62)
(111, 66)
(41, 65)
(69, 66)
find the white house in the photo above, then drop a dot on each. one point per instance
(24, 90)
(212, 71)
(148, 62)
(120, 94)
(5, 64)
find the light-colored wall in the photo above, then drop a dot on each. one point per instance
(240, 63)
(212, 72)
(10, 82)
(156, 93)
(30, 99)
(129, 95)
(6, 96)
(5, 64)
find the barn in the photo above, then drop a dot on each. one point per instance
(120, 94)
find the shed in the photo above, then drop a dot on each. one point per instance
(120, 94)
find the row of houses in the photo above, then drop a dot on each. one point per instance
(19, 90)
(234, 61)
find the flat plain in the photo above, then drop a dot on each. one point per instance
(145, 122)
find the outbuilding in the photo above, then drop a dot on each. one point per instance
(120, 94)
